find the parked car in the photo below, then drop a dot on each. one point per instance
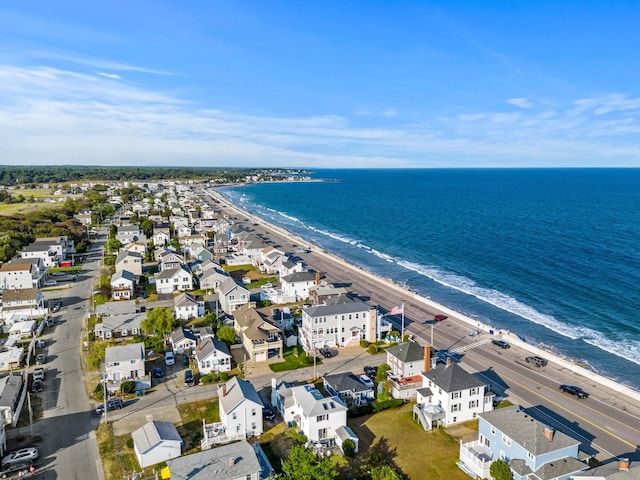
(189, 381)
(573, 390)
(367, 381)
(113, 404)
(36, 386)
(326, 353)
(371, 372)
(23, 455)
(50, 283)
(158, 372)
(440, 317)
(41, 359)
(20, 467)
(41, 343)
(268, 413)
(169, 358)
(501, 343)
(38, 374)
(537, 361)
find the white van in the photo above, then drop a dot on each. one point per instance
(50, 283)
(169, 359)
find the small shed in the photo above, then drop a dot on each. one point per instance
(156, 442)
(23, 329)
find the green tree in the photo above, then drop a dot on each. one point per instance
(158, 321)
(147, 227)
(381, 374)
(113, 245)
(349, 448)
(384, 472)
(226, 334)
(303, 464)
(500, 470)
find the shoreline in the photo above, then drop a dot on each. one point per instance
(570, 364)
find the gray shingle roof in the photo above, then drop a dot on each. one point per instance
(238, 390)
(525, 430)
(313, 403)
(214, 464)
(342, 382)
(611, 471)
(124, 352)
(452, 378)
(407, 352)
(300, 277)
(208, 345)
(117, 308)
(154, 432)
(337, 309)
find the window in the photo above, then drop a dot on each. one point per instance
(235, 416)
(473, 391)
(455, 395)
(506, 440)
(530, 455)
(322, 418)
(455, 407)
(493, 430)
(253, 412)
(473, 404)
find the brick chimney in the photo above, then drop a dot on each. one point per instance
(427, 357)
(548, 433)
(232, 461)
(448, 360)
(224, 389)
(317, 278)
(623, 464)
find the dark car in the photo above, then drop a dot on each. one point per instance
(36, 386)
(113, 404)
(439, 318)
(326, 353)
(41, 359)
(268, 413)
(573, 390)
(501, 343)
(537, 361)
(158, 372)
(189, 381)
(371, 372)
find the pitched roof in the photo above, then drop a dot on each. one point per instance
(238, 390)
(128, 254)
(527, 431)
(337, 309)
(209, 345)
(153, 433)
(341, 382)
(126, 321)
(122, 353)
(117, 308)
(15, 267)
(184, 300)
(21, 294)
(313, 403)
(452, 378)
(407, 352)
(300, 277)
(171, 272)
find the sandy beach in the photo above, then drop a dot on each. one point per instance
(419, 310)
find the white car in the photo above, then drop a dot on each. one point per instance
(367, 381)
(38, 374)
(21, 456)
(169, 359)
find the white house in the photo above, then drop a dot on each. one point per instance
(130, 233)
(340, 322)
(318, 417)
(11, 400)
(297, 284)
(27, 301)
(177, 279)
(156, 442)
(168, 259)
(119, 325)
(213, 355)
(406, 359)
(349, 387)
(187, 307)
(231, 295)
(123, 284)
(124, 362)
(449, 395)
(19, 275)
(160, 239)
(240, 407)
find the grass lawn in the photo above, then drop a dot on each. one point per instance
(414, 452)
(118, 459)
(292, 361)
(192, 415)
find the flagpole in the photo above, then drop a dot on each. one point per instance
(402, 333)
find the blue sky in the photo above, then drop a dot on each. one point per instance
(320, 84)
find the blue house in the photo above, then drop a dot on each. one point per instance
(532, 449)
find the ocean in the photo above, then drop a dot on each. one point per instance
(549, 254)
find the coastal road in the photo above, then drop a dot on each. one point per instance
(607, 423)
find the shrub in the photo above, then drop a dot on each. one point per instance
(373, 349)
(364, 343)
(98, 392)
(361, 410)
(349, 448)
(127, 386)
(210, 378)
(394, 402)
(130, 442)
(224, 376)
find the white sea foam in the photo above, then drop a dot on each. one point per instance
(289, 217)
(335, 236)
(627, 349)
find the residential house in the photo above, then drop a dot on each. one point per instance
(27, 301)
(231, 295)
(83, 218)
(178, 221)
(11, 400)
(42, 251)
(124, 307)
(406, 359)
(221, 244)
(192, 243)
(12, 357)
(250, 247)
(123, 284)
(297, 284)
(161, 234)
(261, 339)
(156, 442)
(187, 307)
(124, 362)
(202, 254)
(319, 293)
(183, 231)
(213, 355)
(130, 233)
(23, 329)
(271, 259)
(450, 394)
(235, 461)
(23, 274)
(211, 279)
(61, 246)
(620, 469)
(340, 322)
(292, 265)
(532, 449)
(349, 387)
(130, 261)
(177, 279)
(119, 326)
(168, 259)
(318, 417)
(136, 247)
(240, 407)
(183, 339)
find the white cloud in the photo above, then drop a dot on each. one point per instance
(519, 102)
(110, 75)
